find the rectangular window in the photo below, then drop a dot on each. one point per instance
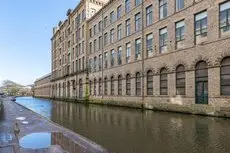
(100, 62)
(180, 28)
(83, 63)
(201, 26)
(119, 11)
(100, 42)
(106, 59)
(149, 45)
(112, 58)
(90, 47)
(112, 17)
(80, 68)
(99, 26)
(79, 47)
(94, 29)
(83, 46)
(163, 40)
(127, 6)
(95, 64)
(225, 18)
(119, 53)
(138, 49)
(149, 15)
(112, 36)
(76, 65)
(138, 21)
(179, 4)
(138, 2)
(83, 31)
(105, 21)
(128, 52)
(105, 39)
(128, 27)
(90, 65)
(163, 9)
(95, 45)
(119, 32)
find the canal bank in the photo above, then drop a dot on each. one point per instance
(30, 122)
(195, 109)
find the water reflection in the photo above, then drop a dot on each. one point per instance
(127, 130)
(45, 140)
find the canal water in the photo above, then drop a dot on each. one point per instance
(132, 131)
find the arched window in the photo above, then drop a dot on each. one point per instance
(225, 76)
(59, 90)
(90, 87)
(95, 87)
(138, 84)
(68, 89)
(64, 89)
(163, 82)
(180, 80)
(106, 86)
(201, 83)
(149, 82)
(100, 86)
(119, 85)
(80, 89)
(112, 85)
(128, 84)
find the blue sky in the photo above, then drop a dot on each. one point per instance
(25, 32)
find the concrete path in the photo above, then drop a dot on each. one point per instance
(62, 139)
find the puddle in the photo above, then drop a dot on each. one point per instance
(49, 140)
(20, 118)
(36, 141)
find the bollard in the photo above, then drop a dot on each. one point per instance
(16, 130)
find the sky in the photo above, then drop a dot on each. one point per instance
(25, 32)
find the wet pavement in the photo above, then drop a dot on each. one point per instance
(58, 140)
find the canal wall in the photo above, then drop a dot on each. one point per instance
(196, 109)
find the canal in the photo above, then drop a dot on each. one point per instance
(124, 130)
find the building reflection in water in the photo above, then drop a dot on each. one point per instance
(128, 130)
(66, 143)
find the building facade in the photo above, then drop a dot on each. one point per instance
(144, 52)
(42, 87)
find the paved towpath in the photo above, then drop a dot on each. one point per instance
(36, 123)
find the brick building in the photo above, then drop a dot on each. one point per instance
(42, 87)
(144, 52)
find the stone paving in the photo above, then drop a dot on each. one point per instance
(36, 124)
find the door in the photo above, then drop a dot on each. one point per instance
(202, 92)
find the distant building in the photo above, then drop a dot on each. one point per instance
(42, 87)
(144, 52)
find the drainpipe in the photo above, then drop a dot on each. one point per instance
(143, 53)
(102, 52)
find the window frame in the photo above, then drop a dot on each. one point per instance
(128, 84)
(149, 15)
(138, 84)
(180, 75)
(164, 41)
(225, 28)
(163, 79)
(163, 7)
(222, 85)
